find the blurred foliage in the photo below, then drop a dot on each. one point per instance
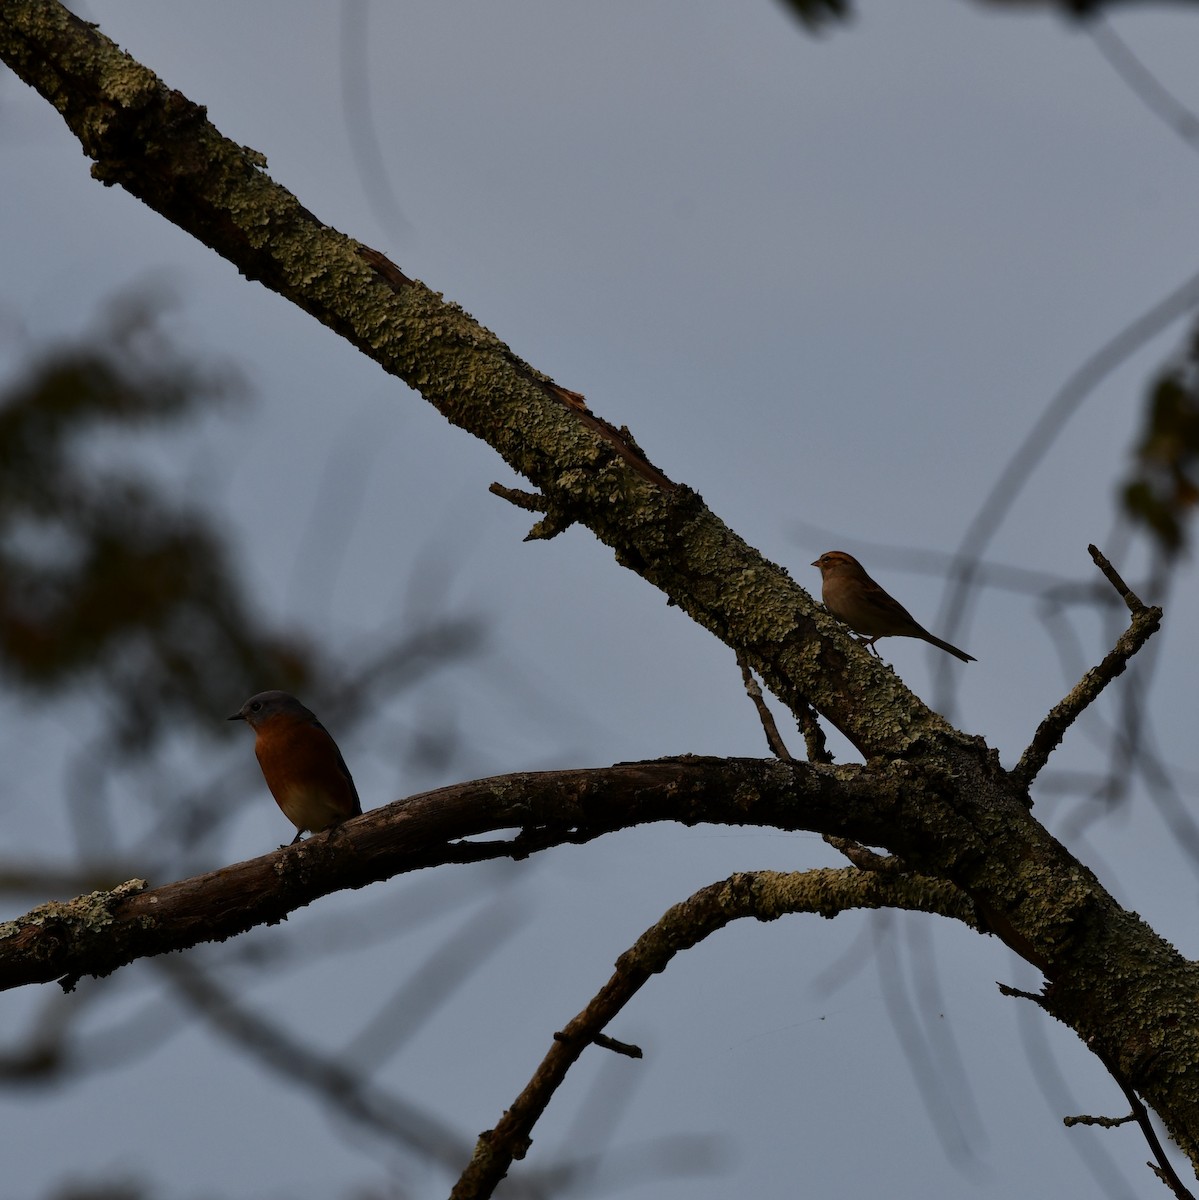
(1075, 8)
(812, 14)
(104, 576)
(1163, 488)
(119, 1190)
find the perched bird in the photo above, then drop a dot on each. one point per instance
(855, 599)
(300, 763)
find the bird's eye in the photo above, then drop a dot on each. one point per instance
(256, 706)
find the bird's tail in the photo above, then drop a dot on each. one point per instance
(936, 641)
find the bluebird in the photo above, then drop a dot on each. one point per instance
(300, 762)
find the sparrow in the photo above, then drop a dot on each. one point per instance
(857, 601)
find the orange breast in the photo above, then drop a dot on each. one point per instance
(304, 770)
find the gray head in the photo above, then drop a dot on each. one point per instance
(266, 705)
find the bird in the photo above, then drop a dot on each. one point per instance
(857, 601)
(300, 762)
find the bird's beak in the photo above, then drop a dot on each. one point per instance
(814, 564)
(236, 717)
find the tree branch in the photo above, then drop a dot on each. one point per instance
(773, 738)
(762, 895)
(932, 795)
(159, 146)
(1144, 624)
(98, 933)
(1163, 1169)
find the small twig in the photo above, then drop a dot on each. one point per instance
(1145, 85)
(1145, 622)
(1007, 990)
(1162, 1168)
(865, 859)
(529, 501)
(773, 738)
(557, 519)
(1102, 1122)
(1110, 573)
(860, 856)
(608, 1043)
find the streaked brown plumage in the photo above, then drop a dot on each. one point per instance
(857, 601)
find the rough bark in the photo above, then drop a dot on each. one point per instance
(943, 801)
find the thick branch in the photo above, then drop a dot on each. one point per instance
(96, 934)
(159, 145)
(762, 895)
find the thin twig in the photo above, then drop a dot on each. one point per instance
(1145, 622)
(773, 738)
(557, 518)
(1162, 1168)
(1102, 1122)
(865, 859)
(529, 501)
(608, 1043)
(1006, 989)
(857, 854)
(1130, 598)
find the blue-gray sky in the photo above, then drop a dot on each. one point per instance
(828, 282)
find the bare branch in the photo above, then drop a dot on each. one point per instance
(1130, 598)
(160, 146)
(96, 934)
(1101, 1122)
(863, 858)
(1145, 623)
(762, 895)
(1147, 87)
(1162, 1168)
(857, 854)
(529, 501)
(1039, 439)
(773, 738)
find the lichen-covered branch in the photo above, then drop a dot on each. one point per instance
(100, 932)
(931, 795)
(160, 146)
(762, 895)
